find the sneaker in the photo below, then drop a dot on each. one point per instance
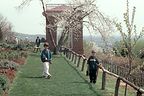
(48, 77)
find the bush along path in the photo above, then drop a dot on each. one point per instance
(66, 80)
(9, 64)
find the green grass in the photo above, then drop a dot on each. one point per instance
(67, 80)
(110, 85)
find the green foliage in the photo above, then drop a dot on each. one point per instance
(138, 50)
(119, 49)
(129, 36)
(24, 54)
(25, 46)
(12, 55)
(139, 46)
(43, 39)
(3, 84)
(21, 46)
(4, 45)
(8, 64)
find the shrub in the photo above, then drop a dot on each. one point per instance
(8, 64)
(43, 40)
(20, 46)
(24, 54)
(4, 45)
(3, 84)
(11, 54)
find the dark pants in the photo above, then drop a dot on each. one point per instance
(37, 48)
(93, 75)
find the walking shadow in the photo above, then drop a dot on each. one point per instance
(80, 82)
(35, 77)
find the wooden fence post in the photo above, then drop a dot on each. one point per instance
(112, 68)
(142, 78)
(139, 93)
(83, 64)
(117, 70)
(123, 72)
(103, 80)
(69, 54)
(120, 71)
(72, 56)
(64, 52)
(78, 63)
(109, 67)
(117, 86)
(75, 59)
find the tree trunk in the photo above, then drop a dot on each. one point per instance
(56, 50)
(125, 94)
(47, 21)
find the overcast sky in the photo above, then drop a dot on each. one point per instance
(30, 20)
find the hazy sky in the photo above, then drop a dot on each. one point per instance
(30, 20)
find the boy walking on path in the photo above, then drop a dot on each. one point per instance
(46, 59)
(93, 64)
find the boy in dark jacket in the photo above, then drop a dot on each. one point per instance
(46, 59)
(93, 64)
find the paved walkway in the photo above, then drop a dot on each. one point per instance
(66, 80)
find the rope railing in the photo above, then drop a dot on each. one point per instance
(77, 58)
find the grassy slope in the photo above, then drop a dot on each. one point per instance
(65, 81)
(110, 86)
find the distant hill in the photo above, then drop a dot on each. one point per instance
(28, 36)
(97, 39)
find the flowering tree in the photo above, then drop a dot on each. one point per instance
(130, 37)
(72, 20)
(5, 28)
